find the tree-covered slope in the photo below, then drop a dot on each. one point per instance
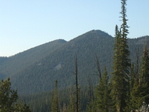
(35, 70)
(59, 65)
(14, 64)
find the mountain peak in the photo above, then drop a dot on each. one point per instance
(61, 40)
(92, 35)
(99, 32)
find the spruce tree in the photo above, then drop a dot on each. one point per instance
(134, 83)
(140, 89)
(91, 107)
(55, 100)
(133, 87)
(102, 93)
(134, 95)
(121, 65)
(71, 106)
(9, 99)
(76, 84)
(91, 104)
(144, 78)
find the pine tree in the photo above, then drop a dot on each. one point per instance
(133, 87)
(91, 107)
(140, 89)
(102, 93)
(71, 106)
(134, 84)
(134, 100)
(20, 107)
(121, 64)
(77, 85)
(144, 78)
(55, 100)
(9, 99)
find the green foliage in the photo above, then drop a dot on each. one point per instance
(120, 74)
(9, 97)
(71, 106)
(121, 65)
(124, 26)
(140, 84)
(57, 62)
(135, 99)
(55, 99)
(102, 93)
(92, 106)
(144, 78)
(20, 107)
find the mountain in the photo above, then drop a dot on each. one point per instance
(59, 65)
(14, 64)
(35, 70)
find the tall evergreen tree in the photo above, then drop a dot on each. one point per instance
(133, 87)
(134, 94)
(102, 93)
(140, 89)
(91, 104)
(55, 100)
(77, 85)
(134, 83)
(121, 65)
(144, 78)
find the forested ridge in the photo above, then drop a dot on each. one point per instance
(36, 82)
(93, 72)
(59, 64)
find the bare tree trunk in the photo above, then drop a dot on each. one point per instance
(77, 89)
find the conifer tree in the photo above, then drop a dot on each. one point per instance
(55, 100)
(140, 90)
(9, 99)
(144, 78)
(20, 107)
(121, 64)
(71, 106)
(91, 104)
(134, 94)
(91, 107)
(77, 85)
(134, 84)
(102, 93)
(133, 87)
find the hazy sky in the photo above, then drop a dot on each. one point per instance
(28, 23)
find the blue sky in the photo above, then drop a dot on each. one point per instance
(27, 23)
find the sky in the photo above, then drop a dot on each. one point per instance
(28, 23)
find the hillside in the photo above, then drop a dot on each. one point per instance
(14, 64)
(35, 70)
(59, 65)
